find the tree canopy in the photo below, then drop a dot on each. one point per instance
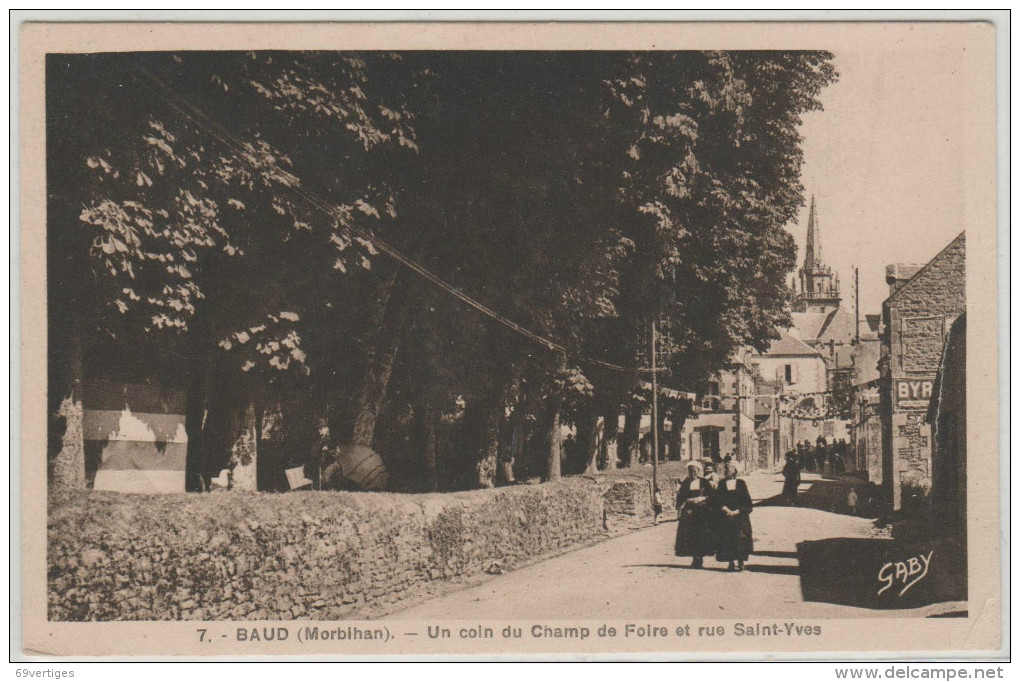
(224, 213)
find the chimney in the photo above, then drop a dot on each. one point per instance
(899, 274)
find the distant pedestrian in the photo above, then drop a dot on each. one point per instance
(805, 455)
(821, 454)
(656, 505)
(732, 501)
(791, 479)
(694, 530)
(645, 445)
(711, 476)
(851, 501)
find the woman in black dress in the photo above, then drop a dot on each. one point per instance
(791, 478)
(694, 537)
(733, 504)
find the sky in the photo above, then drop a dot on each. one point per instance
(883, 161)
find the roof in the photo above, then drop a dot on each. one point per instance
(960, 237)
(835, 325)
(839, 327)
(787, 344)
(807, 326)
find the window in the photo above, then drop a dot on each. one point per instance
(711, 404)
(710, 445)
(713, 388)
(789, 374)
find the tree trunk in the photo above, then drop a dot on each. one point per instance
(676, 437)
(193, 423)
(588, 441)
(513, 448)
(631, 440)
(429, 449)
(244, 451)
(553, 471)
(424, 442)
(662, 433)
(195, 398)
(380, 357)
(610, 439)
(270, 467)
(488, 453)
(68, 460)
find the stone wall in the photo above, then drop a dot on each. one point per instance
(917, 316)
(937, 291)
(314, 555)
(912, 440)
(628, 504)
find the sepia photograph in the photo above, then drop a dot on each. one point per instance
(414, 349)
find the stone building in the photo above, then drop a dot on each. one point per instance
(790, 367)
(819, 319)
(947, 415)
(768, 426)
(811, 358)
(923, 303)
(865, 420)
(724, 420)
(819, 287)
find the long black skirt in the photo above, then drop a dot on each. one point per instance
(734, 542)
(694, 533)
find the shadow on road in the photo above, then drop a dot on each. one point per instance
(825, 494)
(771, 568)
(880, 573)
(777, 554)
(870, 573)
(680, 566)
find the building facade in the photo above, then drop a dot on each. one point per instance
(723, 424)
(819, 287)
(808, 361)
(865, 419)
(923, 303)
(947, 415)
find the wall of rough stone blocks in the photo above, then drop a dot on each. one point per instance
(939, 290)
(628, 503)
(308, 555)
(917, 317)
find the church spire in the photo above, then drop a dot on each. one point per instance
(819, 291)
(813, 249)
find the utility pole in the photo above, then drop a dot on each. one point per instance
(857, 303)
(655, 418)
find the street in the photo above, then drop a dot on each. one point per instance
(637, 575)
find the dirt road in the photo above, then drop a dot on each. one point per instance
(637, 576)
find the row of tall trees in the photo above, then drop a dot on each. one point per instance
(211, 218)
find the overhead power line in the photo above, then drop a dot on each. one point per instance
(193, 113)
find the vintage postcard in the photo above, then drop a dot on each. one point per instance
(521, 339)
